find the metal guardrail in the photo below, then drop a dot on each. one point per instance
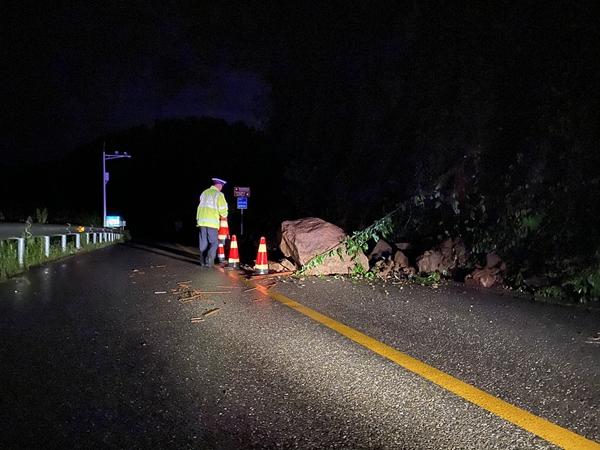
(79, 236)
(15, 229)
(95, 238)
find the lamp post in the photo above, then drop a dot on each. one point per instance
(105, 177)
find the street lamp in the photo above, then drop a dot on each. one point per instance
(105, 176)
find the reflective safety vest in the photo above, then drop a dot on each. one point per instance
(212, 205)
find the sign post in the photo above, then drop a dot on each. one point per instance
(241, 193)
(242, 204)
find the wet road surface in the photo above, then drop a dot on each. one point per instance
(95, 355)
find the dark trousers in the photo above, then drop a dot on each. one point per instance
(208, 245)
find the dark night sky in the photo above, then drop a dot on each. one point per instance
(77, 71)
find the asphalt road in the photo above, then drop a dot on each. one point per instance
(94, 355)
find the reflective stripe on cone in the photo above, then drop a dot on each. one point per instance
(262, 264)
(234, 256)
(221, 252)
(223, 232)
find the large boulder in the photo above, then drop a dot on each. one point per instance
(303, 239)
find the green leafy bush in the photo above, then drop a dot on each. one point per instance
(585, 285)
(358, 271)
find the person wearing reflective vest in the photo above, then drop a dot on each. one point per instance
(211, 208)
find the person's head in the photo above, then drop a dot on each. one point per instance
(218, 183)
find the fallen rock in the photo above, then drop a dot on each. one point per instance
(490, 275)
(303, 239)
(383, 268)
(401, 260)
(430, 261)
(409, 271)
(382, 250)
(285, 265)
(493, 261)
(485, 277)
(288, 265)
(276, 267)
(450, 254)
(454, 254)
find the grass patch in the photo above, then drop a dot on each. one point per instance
(34, 251)
(9, 263)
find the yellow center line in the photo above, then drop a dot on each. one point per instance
(543, 428)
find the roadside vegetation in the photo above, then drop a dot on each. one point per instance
(34, 253)
(34, 245)
(538, 226)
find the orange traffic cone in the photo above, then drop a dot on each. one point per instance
(262, 264)
(223, 232)
(221, 252)
(234, 256)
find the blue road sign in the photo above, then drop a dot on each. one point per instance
(113, 221)
(242, 202)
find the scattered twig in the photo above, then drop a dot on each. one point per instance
(160, 292)
(190, 299)
(250, 289)
(196, 319)
(273, 275)
(213, 292)
(210, 312)
(385, 272)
